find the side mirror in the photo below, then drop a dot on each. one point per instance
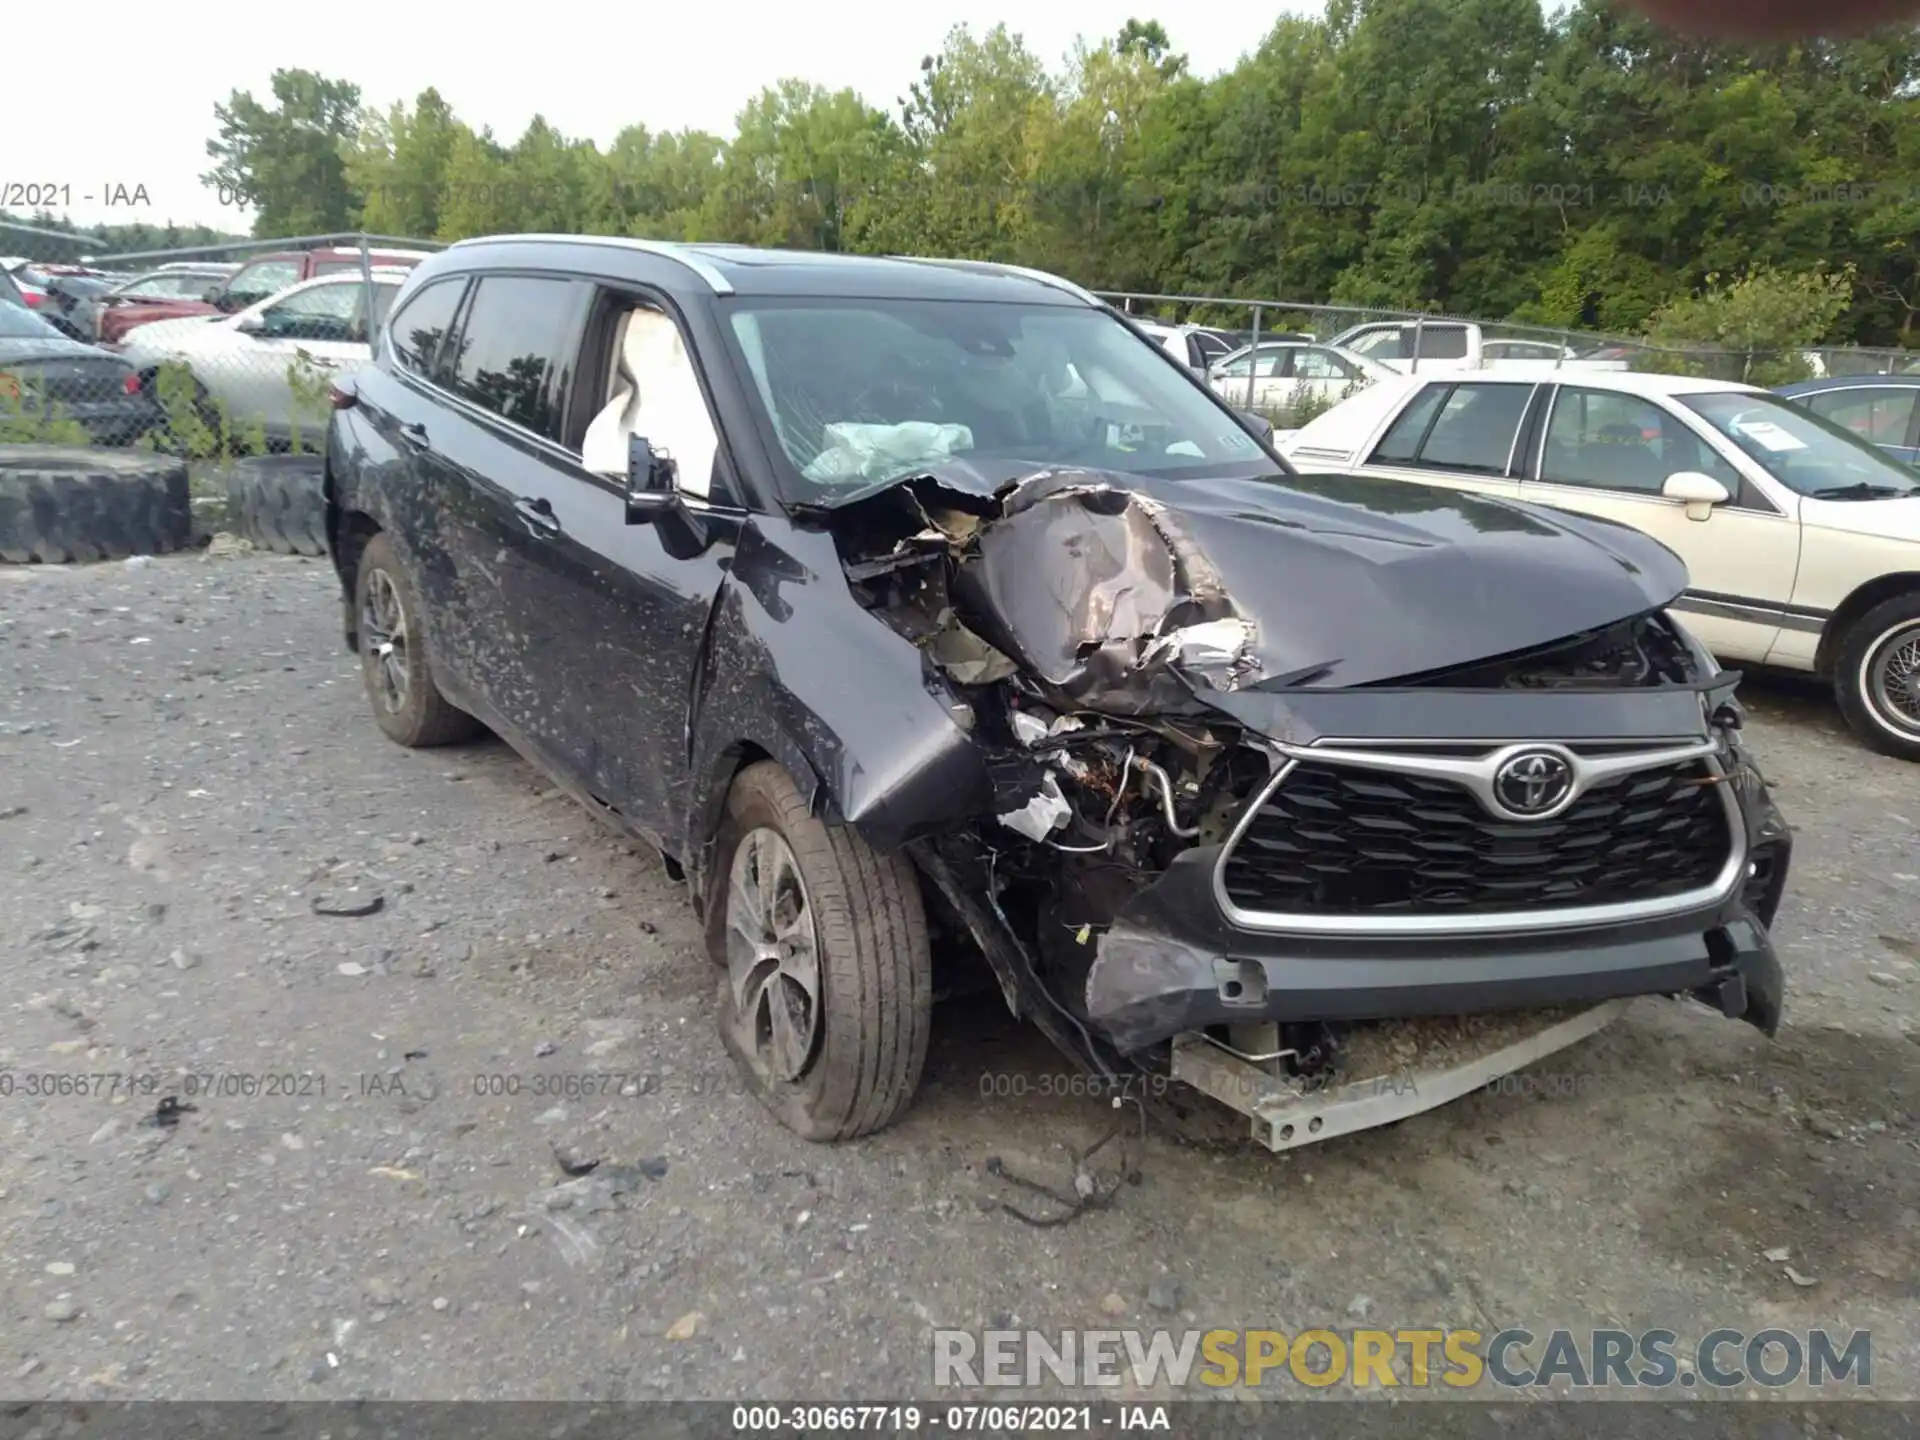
(1259, 424)
(252, 325)
(1700, 493)
(650, 482)
(212, 295)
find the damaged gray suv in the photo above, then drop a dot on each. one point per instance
(927, 614)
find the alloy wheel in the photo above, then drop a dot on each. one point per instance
(383, 640)
(773, 959)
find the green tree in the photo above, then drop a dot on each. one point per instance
(289, 159)
(963, 182)
(399, 163)
(807, 169)
(1762, 320)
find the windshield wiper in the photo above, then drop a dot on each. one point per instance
(1862, 490)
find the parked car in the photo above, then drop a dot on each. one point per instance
(249, 284)
(899, 599)
(1286, 373)
(1883, 409)
(245, 364)
(72, 304)
(10, 293)
(1408, 345)
(31, 295)
(163, 286)
(1198, 346)
(46, 376)
(1802, 540)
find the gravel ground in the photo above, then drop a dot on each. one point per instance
(366, 1200)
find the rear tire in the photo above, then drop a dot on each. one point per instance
(1877, 677)
(276, 502)
(828, 995)
(407, 705)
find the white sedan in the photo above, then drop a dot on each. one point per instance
(1802, 541)
(1287, 374)
(252, 364)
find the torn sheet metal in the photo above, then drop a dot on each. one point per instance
(1098, 592)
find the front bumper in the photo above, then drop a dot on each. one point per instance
(1172, 963)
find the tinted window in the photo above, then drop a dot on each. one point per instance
(1476, 428)
(422, 324)
(1609, 441)
(1435, 342)
(1881, 414)
(1402, 440)
(514, 341)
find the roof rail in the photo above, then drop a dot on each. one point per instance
(706, 271)
(994, 267)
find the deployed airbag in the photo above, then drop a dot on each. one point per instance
(874, 452)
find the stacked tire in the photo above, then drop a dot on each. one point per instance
(60, 504)
(276, 502)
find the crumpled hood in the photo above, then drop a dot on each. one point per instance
(1378, 579)
(1137, 595)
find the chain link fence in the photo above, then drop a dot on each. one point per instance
(204, 353)
(1409, 340)
(1435, 336)
(215, 351)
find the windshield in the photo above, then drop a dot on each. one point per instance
(19, 323)
(1808, 454)
(866, 390)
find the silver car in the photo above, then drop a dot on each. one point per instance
(1286, 375)
(266, 365)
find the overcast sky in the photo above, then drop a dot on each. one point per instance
(590, 67)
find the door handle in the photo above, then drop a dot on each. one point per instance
(414, 433)
(537, 513)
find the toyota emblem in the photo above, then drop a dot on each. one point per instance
(1533, 783)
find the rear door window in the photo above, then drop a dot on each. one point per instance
(1457, 427)
(516, 349)
(1475, 429)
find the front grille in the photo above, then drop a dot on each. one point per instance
(1332, 840)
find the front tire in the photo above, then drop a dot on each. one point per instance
(828, 995)
(407, 705)
(1877, 677)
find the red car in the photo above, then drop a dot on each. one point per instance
(254, 281)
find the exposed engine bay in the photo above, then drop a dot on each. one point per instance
(1114, 684)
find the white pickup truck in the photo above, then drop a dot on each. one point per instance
(1413, 345)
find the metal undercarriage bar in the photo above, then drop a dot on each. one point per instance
(1286, 1113)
